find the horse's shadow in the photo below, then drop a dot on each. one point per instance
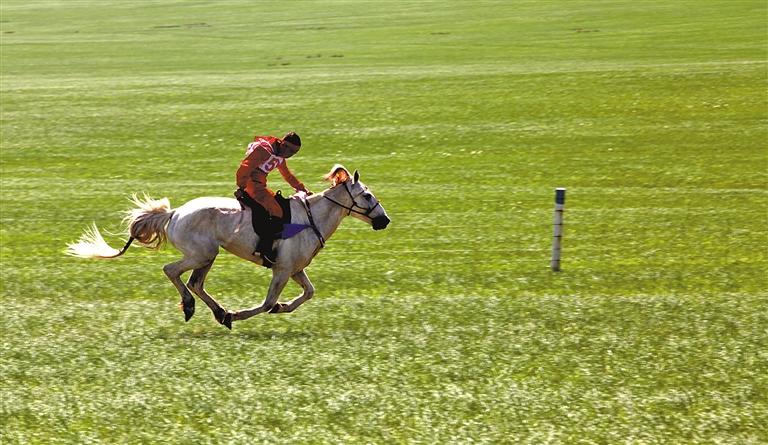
(268, 335)
(250, 333)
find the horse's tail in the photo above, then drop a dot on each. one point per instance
(147, 225)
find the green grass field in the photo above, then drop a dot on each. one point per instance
(449, 327)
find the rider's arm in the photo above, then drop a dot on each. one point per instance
(290, 178)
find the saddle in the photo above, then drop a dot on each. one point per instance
(266, 227)
(285, 204)
(289, 229)
(260, 218)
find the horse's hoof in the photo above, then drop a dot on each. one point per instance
(188, 312)
(275, 309)
(227, 321)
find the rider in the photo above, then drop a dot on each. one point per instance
(265, 154)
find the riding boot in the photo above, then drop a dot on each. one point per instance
(267, 251)
(266, 245)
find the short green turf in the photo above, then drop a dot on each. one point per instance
(447, 327)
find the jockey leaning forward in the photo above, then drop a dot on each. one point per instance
(265, 154)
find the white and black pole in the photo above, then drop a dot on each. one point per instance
(557, 238)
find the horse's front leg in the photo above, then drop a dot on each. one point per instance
(279, 280)
(303, 280)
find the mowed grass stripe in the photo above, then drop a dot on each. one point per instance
(488, 368)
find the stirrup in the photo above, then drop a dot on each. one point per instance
(266, 262)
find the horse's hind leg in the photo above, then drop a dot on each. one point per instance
(196, 284)
(173, 271)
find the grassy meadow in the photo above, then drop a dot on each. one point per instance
(449, 327)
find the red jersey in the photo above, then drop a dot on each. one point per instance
(261, 159)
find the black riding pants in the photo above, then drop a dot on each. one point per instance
(264, 226)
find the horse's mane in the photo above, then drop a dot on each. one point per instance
(337, 175)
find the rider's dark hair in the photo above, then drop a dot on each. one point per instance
(293, 138)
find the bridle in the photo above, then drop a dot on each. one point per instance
(366, 212)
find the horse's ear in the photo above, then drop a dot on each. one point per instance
(357, 177)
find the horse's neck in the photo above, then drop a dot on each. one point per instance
(327, 215)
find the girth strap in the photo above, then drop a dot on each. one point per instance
(304, 200)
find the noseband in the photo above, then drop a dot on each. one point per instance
(366, 212)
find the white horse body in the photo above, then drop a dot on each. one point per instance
(192, 224)
(198, 228)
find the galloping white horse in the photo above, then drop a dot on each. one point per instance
(201, 226)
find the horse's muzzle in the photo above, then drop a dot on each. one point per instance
(380, 222)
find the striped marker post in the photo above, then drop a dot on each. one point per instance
(557, 238)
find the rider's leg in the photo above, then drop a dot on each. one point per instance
(266, 245)
(266, 223)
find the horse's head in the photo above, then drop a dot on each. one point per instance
(364, 205)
